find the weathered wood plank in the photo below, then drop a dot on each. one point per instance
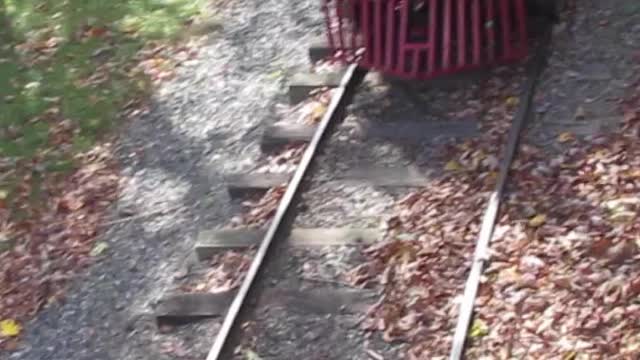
(180, 307)
(409, 131)
(586, 127)
(321, 301)
(319, 49)
(417, 131)
(405, 176)
(326, 300)
(302, 84)
(210, 242)
(284, 134)
(333, 236)
(238, 184)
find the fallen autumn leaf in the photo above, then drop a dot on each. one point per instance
(478, 329)
(537, 220)
(9, 328)
(453, 166)
(98, 249)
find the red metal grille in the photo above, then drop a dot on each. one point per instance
(428, 38)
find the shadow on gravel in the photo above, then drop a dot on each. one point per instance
(398, 124)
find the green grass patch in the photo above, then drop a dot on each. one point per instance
(53, 68)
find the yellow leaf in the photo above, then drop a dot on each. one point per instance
(275, 75)
(623, 216)
(141, 84)
(634, 174)
(465, 146)
(509, 274)
(478, 329)
(512, 101)
(569, 166)
(570, 355)
(565, 137)
(537, 220)
(621, 210)
(3, 194)
(9, 327)
(600, 154)
(404, 254)
(453, 166)
(480, 155)
(318, 111)
(98, 249)
(251, 355)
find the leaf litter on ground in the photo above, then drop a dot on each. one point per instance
(9, 328)
(568, 287)
(422, 263)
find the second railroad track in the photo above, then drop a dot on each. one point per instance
(308, 290)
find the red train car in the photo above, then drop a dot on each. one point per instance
(422, 39)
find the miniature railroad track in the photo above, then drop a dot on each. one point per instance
(231, 304)
(283, 208)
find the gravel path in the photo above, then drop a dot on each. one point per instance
(589, 71)
(203, 124)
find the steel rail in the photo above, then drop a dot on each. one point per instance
(493, 206)
(283, 207)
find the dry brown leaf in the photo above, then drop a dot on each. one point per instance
(565, 137)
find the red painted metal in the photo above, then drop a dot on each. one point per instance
(422, 39)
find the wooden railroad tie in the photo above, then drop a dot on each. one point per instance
(413, 132)
(399, 176)
(302, 84)
(318, 301)
(319, 50)
(211, 242)
(284, 134)
(241, 184)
